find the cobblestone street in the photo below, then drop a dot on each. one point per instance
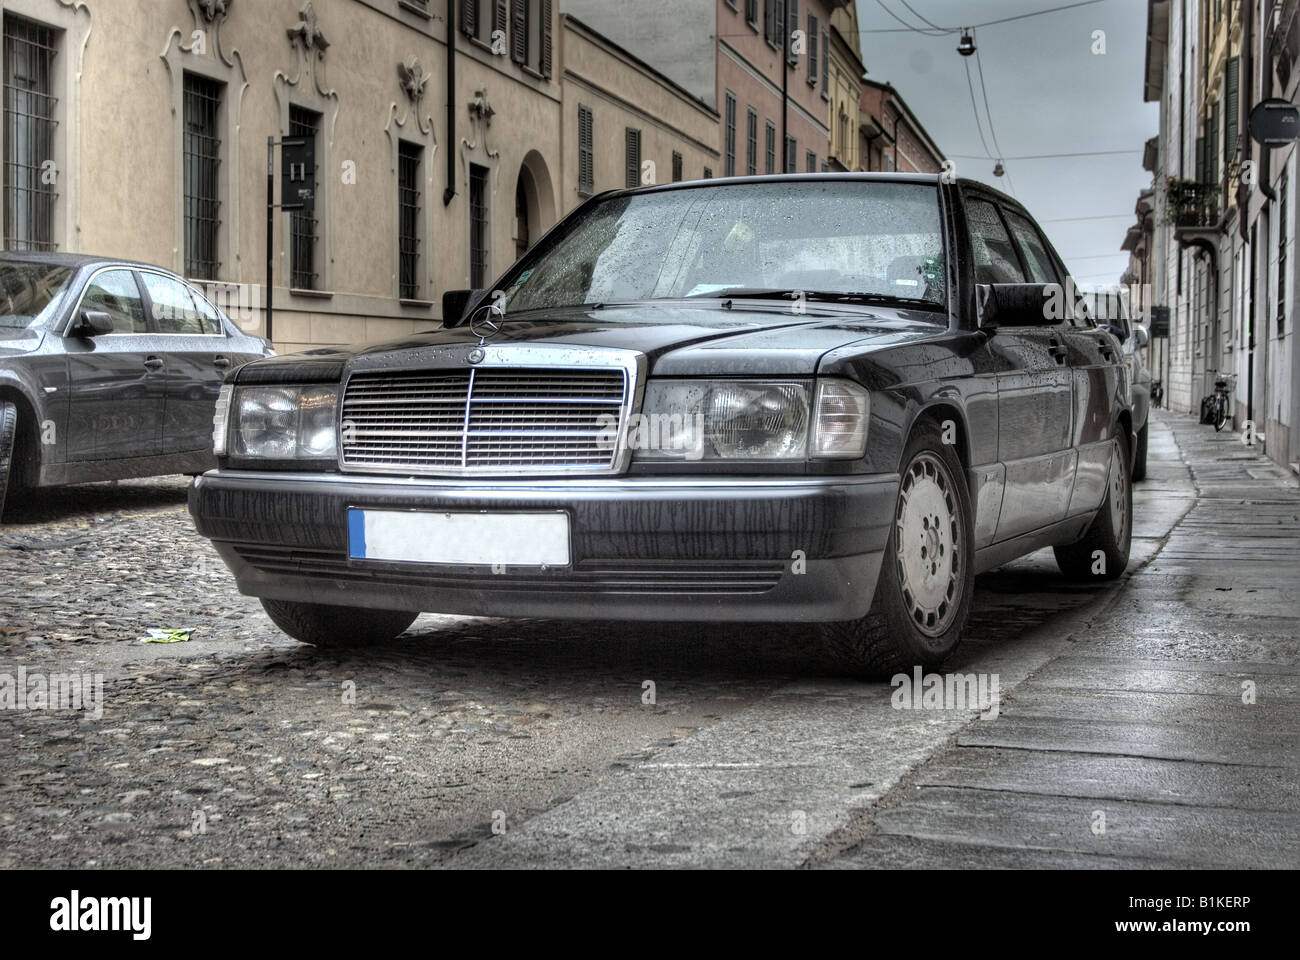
(494, 743)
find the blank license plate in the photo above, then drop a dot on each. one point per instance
(479, 539)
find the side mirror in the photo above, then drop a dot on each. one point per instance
(457, 303)
(92, 323)
(1140, 336)
(1021, 305)
(1116, 330)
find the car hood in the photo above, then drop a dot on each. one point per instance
(18, 342)
(678, 340)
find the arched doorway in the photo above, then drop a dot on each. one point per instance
(534, 202)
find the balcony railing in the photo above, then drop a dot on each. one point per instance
(1193, 204)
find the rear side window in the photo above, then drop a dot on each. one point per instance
(174, 309)
(115, 293)
(995, 257)
(1041, 268)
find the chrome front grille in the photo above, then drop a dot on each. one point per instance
(484, 420)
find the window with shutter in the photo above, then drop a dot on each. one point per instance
(814, 35)
(500, 16)
(769, 20)
(770, 163)
(677, 167)
(792, 24)
(519, 31)
(791, 155)
(1200, 159)
(751, 12)
(826, 65)
(546, 39)
(751, 141)
(708, 173)
(1232, 108)
(633, 142)
(729, 153)
(1212, 146)
(811, 159)
(586, 158)
(469, 17)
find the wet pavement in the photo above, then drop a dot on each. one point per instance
(481, 742)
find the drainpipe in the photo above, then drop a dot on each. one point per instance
(451, 106)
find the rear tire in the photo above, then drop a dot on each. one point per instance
(923, 593)
(331, 627)
(1140, 458)
(1103, 552)
(9, 471)
(1220, 415)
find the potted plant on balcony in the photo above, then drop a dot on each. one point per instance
(1190, 203)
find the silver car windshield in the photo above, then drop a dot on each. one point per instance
(830, 238)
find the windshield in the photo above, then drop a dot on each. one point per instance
(28, 291)
(836, 238)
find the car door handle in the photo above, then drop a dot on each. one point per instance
(153, 363)
(222, 362)
(1057, 349)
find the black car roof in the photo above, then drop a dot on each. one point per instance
(75, 260)
(871, 177)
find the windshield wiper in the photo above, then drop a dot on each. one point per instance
(819, 296)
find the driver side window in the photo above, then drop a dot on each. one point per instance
(995, 257)
(115, 293)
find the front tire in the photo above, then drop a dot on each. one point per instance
(8, 441)
(923, 593)
(330, 627)
(1103, 552)
(1221, 415)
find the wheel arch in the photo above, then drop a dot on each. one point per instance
(27, 445)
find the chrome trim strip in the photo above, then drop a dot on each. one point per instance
(531, 485)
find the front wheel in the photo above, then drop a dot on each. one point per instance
(923, 593)
(325, 625)
(1102, 554)
(8, 440)
(1221, 414)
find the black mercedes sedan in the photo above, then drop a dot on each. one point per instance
(108, 369)
(831, 398)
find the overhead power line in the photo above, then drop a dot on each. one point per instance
(1050, 156)
(943, 31)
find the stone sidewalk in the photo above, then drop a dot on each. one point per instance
(1169, 735)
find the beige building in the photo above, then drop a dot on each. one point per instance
(848, 143)
(138, 128)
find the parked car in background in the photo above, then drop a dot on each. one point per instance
(1109, 307)
(830, 398)
(108, 369)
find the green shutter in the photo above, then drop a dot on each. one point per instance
(546, 37)
(1232, 106)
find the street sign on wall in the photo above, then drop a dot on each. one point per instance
(1274, 122)
(298, 174)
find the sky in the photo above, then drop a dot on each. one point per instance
(1048, 93)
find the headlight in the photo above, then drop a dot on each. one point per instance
(722, 420)
(282, 423)
(750, 420)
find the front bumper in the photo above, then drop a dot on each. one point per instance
(697, 548)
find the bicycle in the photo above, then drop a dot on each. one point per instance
(1219, 400)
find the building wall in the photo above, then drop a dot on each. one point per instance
(622, 93)
(674, 35)
(376, 72)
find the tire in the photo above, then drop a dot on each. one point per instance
(1140, 457)
(916, 618)
(9, 471)
(331, 627)
(1220, 414)
(1111, 532)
